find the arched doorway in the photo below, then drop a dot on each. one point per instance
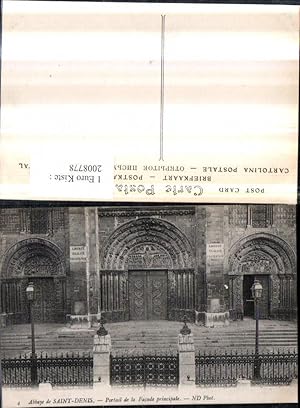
(41, 262)
(270, 260)
(147, 272)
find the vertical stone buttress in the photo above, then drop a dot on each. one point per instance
(216, 314)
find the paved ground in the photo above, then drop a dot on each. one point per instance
(137, 336)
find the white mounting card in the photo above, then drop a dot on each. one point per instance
(149, 102)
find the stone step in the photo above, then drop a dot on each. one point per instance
(150, 345)
(88, 340)
(131, 337)
(212, 333)
(76, 338)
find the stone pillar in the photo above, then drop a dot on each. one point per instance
(101, 358)
(77, 266)
(216, 314)
(97, 261)
(87, 264)
(200, 265)
(187, 366)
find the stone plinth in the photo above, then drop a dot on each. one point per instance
(45, 387)
(81, 321)
(186, 350)
(101, 357)
(3, 320)
(216, 319)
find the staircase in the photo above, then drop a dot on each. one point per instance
(149, 337)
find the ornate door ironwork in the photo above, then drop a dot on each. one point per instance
(148, 295)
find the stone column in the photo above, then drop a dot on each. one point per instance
(216, 315)
(186, 350)
(101, 358)
(87, 264)
(97, 261)
(200, 266)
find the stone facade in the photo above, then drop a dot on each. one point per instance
(148, 262)
(34, 246)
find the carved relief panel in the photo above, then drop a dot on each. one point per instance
(146, 256)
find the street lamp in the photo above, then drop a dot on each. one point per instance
(30, 298)
(256, 290)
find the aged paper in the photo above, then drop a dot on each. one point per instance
(148, 304)
(133, 102)
(156, 105)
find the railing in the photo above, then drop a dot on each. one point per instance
(227, 369)
(213, 369)
(64, 370)
(278, 368)
(142, 370)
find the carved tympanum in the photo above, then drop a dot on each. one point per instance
(33, 257)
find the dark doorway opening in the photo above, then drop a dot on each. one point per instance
(247, 296)
(264, 307)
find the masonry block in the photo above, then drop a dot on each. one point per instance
(101, 360)
(187, 368)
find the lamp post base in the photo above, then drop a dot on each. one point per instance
(256, 370)
(33, 369)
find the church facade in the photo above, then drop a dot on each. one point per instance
(157, 262)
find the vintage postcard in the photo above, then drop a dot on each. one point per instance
(149, 102)
(133, 305)
(173, 281)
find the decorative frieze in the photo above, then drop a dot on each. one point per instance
(145, 212)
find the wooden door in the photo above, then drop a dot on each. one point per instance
(148, 295)
(44, 305)
(137, 295)
(157, 295)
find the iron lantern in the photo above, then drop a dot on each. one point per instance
(256, 289)
(30, 292)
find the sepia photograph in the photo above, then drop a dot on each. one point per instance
(147, 296)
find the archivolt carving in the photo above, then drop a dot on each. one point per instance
(275, 291)
(33, 257)
(257, 262)
(236, 293)
(160, 236)
(275, 254)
